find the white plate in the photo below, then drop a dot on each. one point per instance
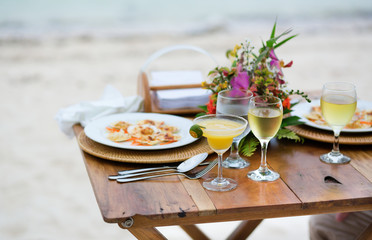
(96, 130)
(302, 109)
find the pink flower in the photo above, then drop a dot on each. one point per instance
(240, 82)
(275, 63)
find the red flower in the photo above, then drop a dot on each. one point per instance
(287, 103)
(211, 106)
(288, 64)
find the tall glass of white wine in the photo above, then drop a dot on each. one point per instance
(234, 102)
(338, 104)
(265, 116)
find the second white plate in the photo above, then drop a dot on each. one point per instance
(302, 109)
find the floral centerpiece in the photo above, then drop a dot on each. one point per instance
(262, 74)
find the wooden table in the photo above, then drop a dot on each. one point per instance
(307, 186)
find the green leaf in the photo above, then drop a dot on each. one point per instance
(291, 121)
(233, 64)
(203, 107)
(273, 40)
(273, 31)
(200, 114)
(248, 145)
(286, 133)
(270, 43)
(286, 111)
(228, 52)
(294, 104)
(285, 40)
(262, 55)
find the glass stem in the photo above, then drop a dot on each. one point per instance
(263, 166)
(336, 148)
(219, 176)
(234, 153)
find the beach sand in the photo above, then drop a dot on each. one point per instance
(45, 190)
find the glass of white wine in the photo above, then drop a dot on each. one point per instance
(265, 116)
(338, 104)
(220, 131)
(234, 102)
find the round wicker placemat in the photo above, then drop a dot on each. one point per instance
(149, 156)
(327, 136)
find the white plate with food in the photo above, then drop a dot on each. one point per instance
(141, 131)
(310, 114)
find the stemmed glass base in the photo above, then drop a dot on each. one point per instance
(260, 175)
(234, 160)
(235, 163)
(220, 184)
(334, 158)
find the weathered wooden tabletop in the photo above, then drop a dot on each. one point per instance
(307, 186)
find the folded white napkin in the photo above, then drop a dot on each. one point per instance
(179, 98)
(111, 102)
(182, 98)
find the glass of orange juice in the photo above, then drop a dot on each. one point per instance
(220, 131)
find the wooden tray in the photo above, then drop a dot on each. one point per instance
(327, 136)
(144, 157)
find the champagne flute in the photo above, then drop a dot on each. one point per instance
(338, 104)
(220, 131)
(234, 102)
(265, 116)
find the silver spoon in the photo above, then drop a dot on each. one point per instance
(185, 166)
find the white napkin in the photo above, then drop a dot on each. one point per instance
(182, 98)
(179, 98)
(111, 102)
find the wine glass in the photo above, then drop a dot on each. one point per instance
(338, 104)
(234, 102)
(220, 131)
(265, 116)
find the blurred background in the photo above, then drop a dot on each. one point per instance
(57, 53)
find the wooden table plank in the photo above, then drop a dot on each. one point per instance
(361, 159)
(251, 194)
(200, 197)
(317, 184)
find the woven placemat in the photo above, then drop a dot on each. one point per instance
(149, 156)
(327, 136)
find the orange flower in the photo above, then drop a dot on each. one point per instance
(287, 103)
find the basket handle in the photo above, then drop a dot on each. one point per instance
(165, 50)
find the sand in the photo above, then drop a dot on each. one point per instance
(45, 190)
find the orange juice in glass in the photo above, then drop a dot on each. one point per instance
(220, 131)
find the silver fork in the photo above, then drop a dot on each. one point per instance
(192, 176)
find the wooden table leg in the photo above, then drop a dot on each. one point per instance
(146, 233)
(194, 232)
(244, 229)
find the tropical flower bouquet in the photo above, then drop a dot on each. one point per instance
(262, 74)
